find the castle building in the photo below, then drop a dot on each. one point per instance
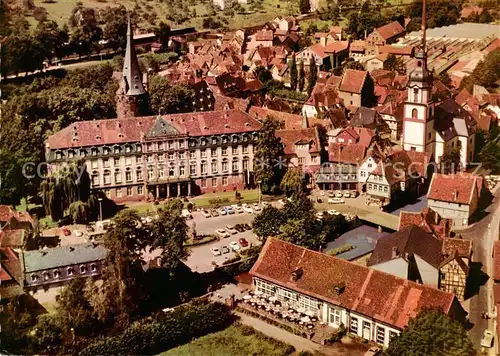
(135, 157)
(437, 128)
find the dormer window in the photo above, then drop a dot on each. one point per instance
(297, 274)
(83, 269)
(58, 155)
(70, 271)
(339, 288)
(34, 277)
(71, 154)
(83, 153)
(139, 148)
(57, 274)
(117, 149)
(93, 267)
(94, 152)
(46, 276)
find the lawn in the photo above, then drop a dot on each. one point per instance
(236, 340)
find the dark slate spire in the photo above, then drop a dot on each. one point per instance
(132, 76)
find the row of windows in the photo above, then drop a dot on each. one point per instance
(380, 331)
(223, 140)
(378, 187)
(57, 274)
(95, 151)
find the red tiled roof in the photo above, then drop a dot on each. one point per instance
(130, 130)
(493, 46)
(353, 81)
(334, 47)
(357, 46)
(12, 238)
(396, 50)
(7, 213)
(348, 153)
(390, 30)
(336, 29)
(427, 219)
(461, 246)
(496, 260)
(290, 137)
(453, 188)
(264, 35)
(372, 293)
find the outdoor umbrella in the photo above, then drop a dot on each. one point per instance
(305, 319)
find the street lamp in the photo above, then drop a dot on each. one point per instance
(100, 208)
(259, 192)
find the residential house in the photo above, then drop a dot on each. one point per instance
(369, 118)
(377, 62)
(384, 35)
(264, 38)
(323, 98)
(410, 253)
(326, 56)
(339, 292)
(11, 276)
(12, 219)
(302, 148)
(392, 114)
(427, 219)
(223, 4)
(357, 48)
(455, 196)
(393, 178)
(353, 88)
(454, 268)
(55, 266)
(367, 166)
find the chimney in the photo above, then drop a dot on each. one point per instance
(394, 252)
(71, 248)
(297, 274)
(455, 195)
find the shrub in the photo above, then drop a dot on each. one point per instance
(164, 331)
(339, 250)
(338, 334)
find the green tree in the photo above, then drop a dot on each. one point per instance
(12, 180)
(302, 77)
(74, 310)
(293, 72)
(166, 98)
(52, 39)
(486, 73)
(169, 233)
(432, 333)
(490, 156)
(114, 22)
(292, 182)
(47, 331)
(303, 233)
(122, 293)
(268, 156)
(86, 32)
(313, 76)
(450, 161)
(395, 64)
(304, 6)
(268, 222)
(79, 212)
(301, 207)
(333, 226)
(162, 32)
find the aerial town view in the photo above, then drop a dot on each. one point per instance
(250, 177)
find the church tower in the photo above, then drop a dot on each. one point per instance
(418, 123)
(131, 96)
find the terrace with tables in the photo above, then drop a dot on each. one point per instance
(297, 320)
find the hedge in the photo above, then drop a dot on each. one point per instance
(339, 250)
(165, 330)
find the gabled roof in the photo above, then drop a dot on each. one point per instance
(162, 128)
(264, 35)
(346, 153)
(427, 219)
(353, 81)
(372, 293)
(390, 30)
(62, 256)
(289, 138)
(451, 120)
(454, 188)
(411, 240)
(462, 247)
(7, 213)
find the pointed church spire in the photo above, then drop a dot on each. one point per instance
(131, 73)
(421, 74)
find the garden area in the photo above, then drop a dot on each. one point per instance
(237, 340)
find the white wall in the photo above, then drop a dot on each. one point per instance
(413, 135)
(459, 213)
(397, 267)
(429, 274)
(309, 111)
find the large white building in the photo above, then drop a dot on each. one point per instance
(435, 127)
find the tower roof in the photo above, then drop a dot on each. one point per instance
(131, 73)
(421, 74)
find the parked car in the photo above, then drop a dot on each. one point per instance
(206, 213)
(214, 212)
(243, 242)
(487, 340)
(186, 214)
(222, 211)
(239, 227)
(338, 194)
(247, 227)
(229, 210)
(374, 351)
(65, 231)
(231, 230)
(248, 209)
(264, 204)
(234, 245)
(239, 210)
(77, 233)
(354, 193)
(331, 194)
(215, 251)
(347, 194)
(89, 228)
(256, 207)
(336, 201)
(225, 249)
(221, 233)
(333, 212)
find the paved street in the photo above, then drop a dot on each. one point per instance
(483, 234)
(209, 225)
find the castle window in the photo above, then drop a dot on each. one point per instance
(414, 114)
(415, 95)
